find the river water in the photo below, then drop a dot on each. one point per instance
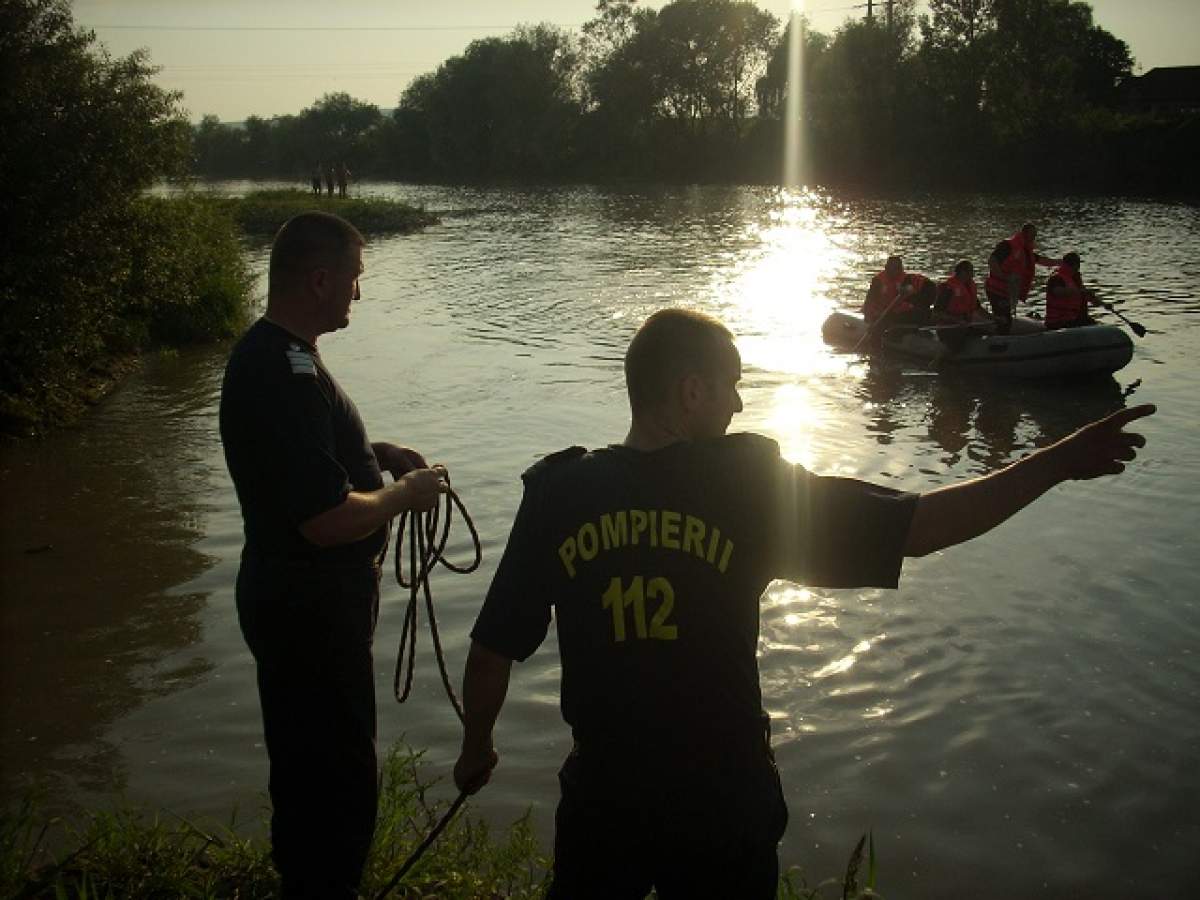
(1019, 719)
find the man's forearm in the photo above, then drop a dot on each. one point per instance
(362, 513)
(485, 685)
(960, 512)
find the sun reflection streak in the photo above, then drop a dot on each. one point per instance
(845, 663)
(776, 294)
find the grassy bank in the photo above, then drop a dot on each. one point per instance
(262, 212)
(130, 853)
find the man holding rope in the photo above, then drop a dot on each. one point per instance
(316, 515)
(653, 555)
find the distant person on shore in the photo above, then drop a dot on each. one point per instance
(899, 297)
(958, 298)
(316, 180)
(1010, 274)
(316, 514)
(651, 557)
(1067, 300)
(329, 179)
(343, 178)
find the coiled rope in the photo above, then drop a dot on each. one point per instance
(426, 550)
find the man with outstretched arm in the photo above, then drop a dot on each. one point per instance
(316, 514)
(653, 555)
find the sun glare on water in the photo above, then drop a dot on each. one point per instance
(774, 295)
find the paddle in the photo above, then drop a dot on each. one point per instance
(875, 324)
(1135, 327)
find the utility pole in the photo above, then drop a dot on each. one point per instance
(870, 11)
(889, 13)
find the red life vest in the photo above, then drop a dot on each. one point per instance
(962, 297)
(1068, 307)
(889, 287)
(1020, 261)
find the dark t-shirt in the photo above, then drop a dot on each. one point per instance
(295, 446)
(654, 564)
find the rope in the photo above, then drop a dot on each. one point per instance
(426, 550)
(425, 845)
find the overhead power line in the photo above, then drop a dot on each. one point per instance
(323, 27)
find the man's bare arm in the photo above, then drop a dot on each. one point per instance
(959, 512)
(365, 512)
(485, 685)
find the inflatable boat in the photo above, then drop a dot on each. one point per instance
(1029, 352)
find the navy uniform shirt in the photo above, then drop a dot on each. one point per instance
(295, 446)
(654, 563)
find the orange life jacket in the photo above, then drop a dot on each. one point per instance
(962, 297)
(1020, 261)
(889, 287)
(1068, 307)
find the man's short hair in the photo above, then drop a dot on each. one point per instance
(962, 266)
(1072, 260)
(670, 345)
(896, 261)
(308, 241)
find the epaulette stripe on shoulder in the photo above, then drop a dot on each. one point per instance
(301, 360)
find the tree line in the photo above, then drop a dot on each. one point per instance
(981, 93)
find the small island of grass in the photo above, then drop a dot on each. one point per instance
(260, 213)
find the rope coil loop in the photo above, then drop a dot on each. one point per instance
(426, 550)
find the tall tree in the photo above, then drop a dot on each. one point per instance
(220, 150)
(506, 106)
(84, 133)
(956, 38)
(772, 88)
(335, 128)
(709, 55)
(1049, 59)
(861, 95)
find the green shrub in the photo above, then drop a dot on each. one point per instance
(188, 277)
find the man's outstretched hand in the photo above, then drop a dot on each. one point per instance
(1103, 447)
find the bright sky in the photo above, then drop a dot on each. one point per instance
(235, 58)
